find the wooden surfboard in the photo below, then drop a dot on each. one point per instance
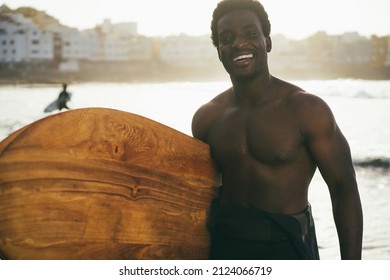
(104, 184)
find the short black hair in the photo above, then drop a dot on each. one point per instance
(226, 6)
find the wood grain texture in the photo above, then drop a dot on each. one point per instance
(104, 184)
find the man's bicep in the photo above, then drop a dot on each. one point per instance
(332, 155)
(328, 146)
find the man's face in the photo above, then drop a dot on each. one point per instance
(242, 45)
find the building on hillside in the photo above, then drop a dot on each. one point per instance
(287, 55)
(122, 29)
(380, 54)
(387, 57)
(120, 42)
(22, 40)
(186, 51)
(351, 48)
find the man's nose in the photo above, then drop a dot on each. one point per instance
(239, 42)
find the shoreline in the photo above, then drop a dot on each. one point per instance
(156, 72)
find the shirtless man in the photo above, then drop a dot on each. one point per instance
(267, 138)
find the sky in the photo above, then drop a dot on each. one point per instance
(296, 19)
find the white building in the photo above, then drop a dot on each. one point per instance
(77, 45)
(119, 48)
(124, 29)
(352, 48)
(121, 42)
(185, 50)
(40, 45)
(387, 59)
(21, 40)
(140, 48)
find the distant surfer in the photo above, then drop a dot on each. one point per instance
(63, 98)
(61, 102)
(268, 137)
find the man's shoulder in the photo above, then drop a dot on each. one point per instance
(311, 111)
(219, 101)
(222, 97)
(306, 107)
(301, 99)
(308, 103)
(207, 114)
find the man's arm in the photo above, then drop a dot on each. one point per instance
(204, 118)
(199, 123)
(331, 153)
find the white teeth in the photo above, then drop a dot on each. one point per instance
(244, 56)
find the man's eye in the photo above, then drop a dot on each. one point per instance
(226, 39)
(252, 35)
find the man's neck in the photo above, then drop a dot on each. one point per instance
(252, 92)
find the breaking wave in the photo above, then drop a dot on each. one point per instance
(379, 162)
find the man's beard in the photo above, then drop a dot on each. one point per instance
(247, 76)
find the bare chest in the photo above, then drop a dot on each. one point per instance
(271, 137)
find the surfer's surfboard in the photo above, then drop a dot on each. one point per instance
(104, 184)
(54, 105)
(51, 107)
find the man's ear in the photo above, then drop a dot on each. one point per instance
(219, 56)
(268, 42)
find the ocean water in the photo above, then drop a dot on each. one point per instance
(361, 108)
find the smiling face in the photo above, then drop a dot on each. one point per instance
(242, 45)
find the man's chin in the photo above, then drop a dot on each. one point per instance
(241, 74)
(243, 77)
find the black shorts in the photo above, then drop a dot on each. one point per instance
(246, 233)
